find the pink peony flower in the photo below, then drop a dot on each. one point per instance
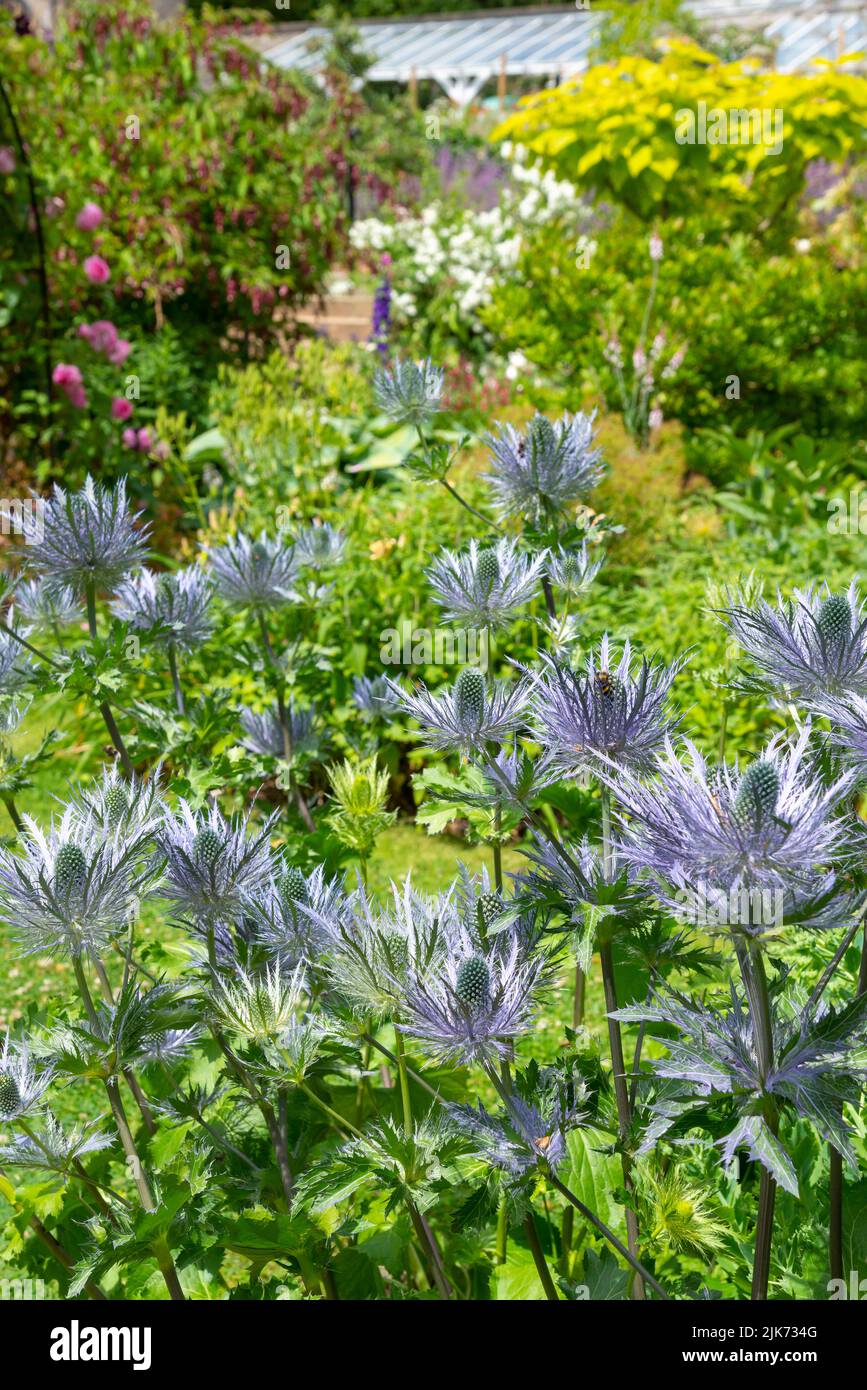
(120, 352)
(97, 270)
(121, 408)
(130, 439)
(89, 218)
(7, 159)
(144, 440)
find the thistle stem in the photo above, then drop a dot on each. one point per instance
(9, 803)
(285, 723)
(641, 1270)
(131, 1080)
(427, 1242)
(333, 1115)
(400, 1052)
(176, 680)
(835, 1177)
(502, 1231)
(539, 1260)
(60, 1254)
(480, 516)
(758, 998)
(104, 709)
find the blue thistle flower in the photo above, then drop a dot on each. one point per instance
(319, 546)
(410, 392)
(537, 474)
(174, 607)
(86, 538)
(486, 586)
(573, 571)
(45, 605)
(265, 731)
(516, 1140)
(473, 712)
(21, 1086)
(215, 867)
(607, 713)
(812, 645)
(255, 574)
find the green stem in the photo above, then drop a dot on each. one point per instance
(502, 1231)
(641, 1271)
(9, 803)
(539, 1260)
(176, 680)
(104, 708)
(427, 1242)
(400, 1052)
(756, 986)
(333, 1115)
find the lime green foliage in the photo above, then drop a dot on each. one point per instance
(615, 130)
(360, 791)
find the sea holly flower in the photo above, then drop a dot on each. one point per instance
(573, 571)
(752, 842)
(486, 586)
(372, 696)
(215, 867)
(255, 574)
(266, 735)
(21, 1085)
(173, 607)
(523, 1135)
(472, 713)
(812, 645)
(85, 539)
(410, 392)
(52, 1147)
(475, 1005)
(258, 1008)
(608, 713)
(817, 1066)
(537, 474)
(116, 805)
(298, 916)
(319, 546)
(46, 605)
(848, 719)
(15, 664)
(72, 889)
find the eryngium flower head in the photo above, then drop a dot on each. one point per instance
(319, 546)
(255, 574)
(15, 664)
(172, 606)
(258, 1007)
(265, 733)
(812, 645)
(606, 713)
(299, 915)
(723, 836)
(86, 538)
(475, 1005)
(372, 696)
(74, 888)
(410, 392)
(117, 805)
(52, 1147)
(45, 605)
(216, 867)
(487, 585)
(21, 1086)
(538, 473)
(848, 718)
(473, 712)
(517, 1140)
(573, 571)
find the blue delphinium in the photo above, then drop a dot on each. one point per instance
(539, 472)
(85, 539)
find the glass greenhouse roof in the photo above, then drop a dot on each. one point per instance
(462, 52)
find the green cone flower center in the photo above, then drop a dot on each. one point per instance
(116, 805)
(10, 1096)
(469, 692)
(488, 909)
(487, 570)
(757, 795)
(207, 847)
(292, 887)
(834, 620)
(473, 984)
(70, 869)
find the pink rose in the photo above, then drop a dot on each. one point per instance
(96, 270)
(7, 159)
(89, 218)
(121, 408)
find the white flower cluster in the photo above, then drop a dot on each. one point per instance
(463, 253)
